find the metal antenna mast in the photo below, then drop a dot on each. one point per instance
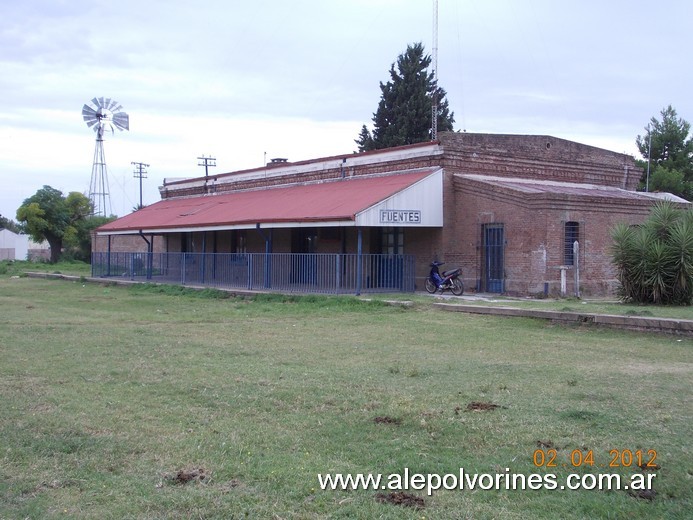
(141, 173)
(207, 162)
(434, 103)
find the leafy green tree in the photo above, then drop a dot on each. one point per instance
(404, 111)
(48, 215)
(672, 151)
(654, 261)
(11, 225)
(78, 243)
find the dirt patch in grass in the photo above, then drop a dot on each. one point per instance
(384, 419)
(184, 476)
(546, 444)
(644, 494)
(478, 406)
(651, 467)
(231, 484)
(399, 498)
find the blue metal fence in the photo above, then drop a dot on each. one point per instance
(281, 272)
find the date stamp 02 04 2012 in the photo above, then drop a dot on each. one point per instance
(643, 459)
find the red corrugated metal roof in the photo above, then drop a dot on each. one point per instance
(331, 201)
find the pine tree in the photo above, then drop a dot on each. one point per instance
(404, 111)
(671, 155)
(672, 147)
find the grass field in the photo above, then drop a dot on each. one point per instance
(155, 402)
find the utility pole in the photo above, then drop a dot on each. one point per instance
(434, 104)
(649, 158)
(141, 173)
(207, 162)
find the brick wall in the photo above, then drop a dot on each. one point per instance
(129, 243)
(537, 157)
(535, 238)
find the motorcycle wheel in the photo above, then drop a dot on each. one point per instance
(430, 286)
(457, 287)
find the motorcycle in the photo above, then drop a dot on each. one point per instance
(449, 280)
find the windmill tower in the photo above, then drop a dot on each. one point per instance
(106, 114)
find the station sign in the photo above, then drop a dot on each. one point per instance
(400, 216)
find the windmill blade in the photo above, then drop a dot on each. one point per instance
(121, 121)
(88, 112)
(89, 115)
(96, 102)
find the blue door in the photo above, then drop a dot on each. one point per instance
(494, 249)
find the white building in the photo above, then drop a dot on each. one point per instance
(21, 247)
(13, 246)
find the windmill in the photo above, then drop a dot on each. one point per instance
(106, 114)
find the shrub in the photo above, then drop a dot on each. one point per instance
(655, 260)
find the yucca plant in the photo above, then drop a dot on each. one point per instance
(654, 261)
(681, 251)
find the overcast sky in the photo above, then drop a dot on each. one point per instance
(242, 81)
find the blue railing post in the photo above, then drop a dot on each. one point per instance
(359, 264)
(108, 271)
(182, 268)
(268, 260)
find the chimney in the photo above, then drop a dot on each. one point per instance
(277, 161)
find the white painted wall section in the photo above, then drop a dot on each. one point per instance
(419, 205)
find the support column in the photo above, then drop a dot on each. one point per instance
(150, 263)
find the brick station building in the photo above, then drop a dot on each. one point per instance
(505, 208)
